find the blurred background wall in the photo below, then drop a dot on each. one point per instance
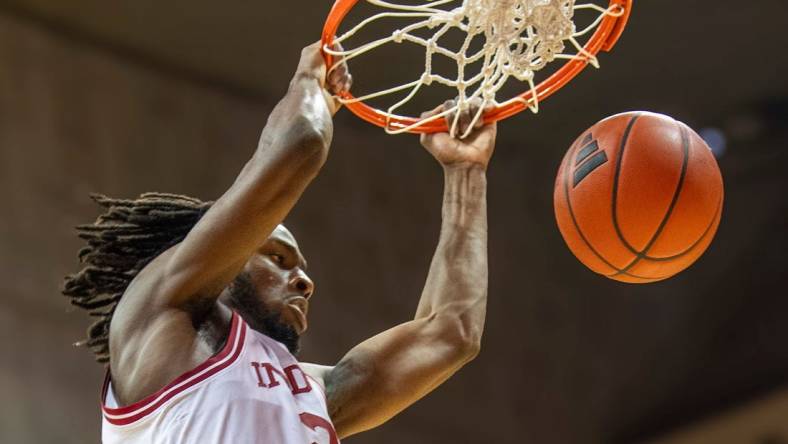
(122, 98)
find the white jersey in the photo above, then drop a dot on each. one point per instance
(252, 391)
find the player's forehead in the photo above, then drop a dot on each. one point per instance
(282, 235)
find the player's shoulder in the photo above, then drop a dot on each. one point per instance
(316, 371)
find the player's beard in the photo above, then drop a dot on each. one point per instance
(259, 316)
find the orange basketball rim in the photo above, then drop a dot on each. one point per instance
(604, 39)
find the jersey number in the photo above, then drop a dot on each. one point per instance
(313, 422)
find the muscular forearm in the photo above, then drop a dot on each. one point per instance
(292, 149)
(299, 128)
(388, 372)
(294, 144)
(457, 282)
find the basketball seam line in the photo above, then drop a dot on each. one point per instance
(694, 244)
(692, 247)
(567, 174)
(685, 162)
(616, 178)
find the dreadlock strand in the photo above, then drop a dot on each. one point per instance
(97, 332)
(105, 313)
(124, 262)
(93, 303)
(120, 243)
(171, 197)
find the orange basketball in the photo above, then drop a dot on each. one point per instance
(638, 197)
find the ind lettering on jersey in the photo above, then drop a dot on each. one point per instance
(269, 376)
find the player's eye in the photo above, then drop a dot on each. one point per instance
(278, 258)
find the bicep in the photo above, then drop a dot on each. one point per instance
(228, 234)
(387, 373)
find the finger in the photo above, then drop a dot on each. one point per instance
(312, 61)
(433, 142)
(336, 82)
(339, 75)
(464, 119)
(480, 123)
(337, 47)
(316, 46)
(450, 105)
(341, 84)
(314, 53)
(468, 115)
(339, 62)
(329, 48)
(472, 117)
(339, 68)
(433, 112)
(479, 109)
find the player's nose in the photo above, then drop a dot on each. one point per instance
(302, 284)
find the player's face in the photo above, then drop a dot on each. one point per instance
(278, 273)
(274, 289)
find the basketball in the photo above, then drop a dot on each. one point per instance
(638, 197)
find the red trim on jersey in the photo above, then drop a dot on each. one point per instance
(319, 385)
(134, 412)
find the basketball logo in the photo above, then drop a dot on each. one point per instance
(588, 159)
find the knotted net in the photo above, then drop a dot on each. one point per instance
(520, 38)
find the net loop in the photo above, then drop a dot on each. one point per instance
(521, 37)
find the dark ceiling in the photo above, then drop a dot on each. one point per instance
(714, 53)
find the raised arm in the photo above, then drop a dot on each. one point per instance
(168, 320)
(385, 374)
(291, 151)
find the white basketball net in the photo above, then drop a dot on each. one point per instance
(520, 38)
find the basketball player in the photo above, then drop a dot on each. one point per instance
(201, 305)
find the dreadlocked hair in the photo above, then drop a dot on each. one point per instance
(120, 243)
